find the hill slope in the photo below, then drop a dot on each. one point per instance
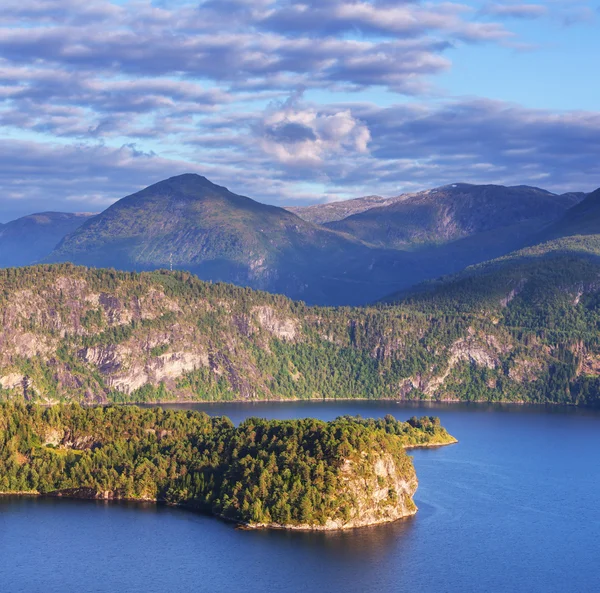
(221, 236)
(100, 335)
(334, 211)
(455, 212)
(581, 219)
(31, 238)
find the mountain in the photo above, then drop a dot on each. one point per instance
(31, 238)
(489, 214)
(334, 211)
(190, 223)
(581, 219)
(509, 332)
(566, 253)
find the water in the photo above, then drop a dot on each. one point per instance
(512, 507)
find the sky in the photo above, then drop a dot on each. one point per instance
(294, 102)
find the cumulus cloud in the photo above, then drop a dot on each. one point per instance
(486, 141)
(44, 176)
(405, 19)
(235, 41)
(299, 135)
(69, 103)
(353, 150)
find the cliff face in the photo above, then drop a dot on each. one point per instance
(69, 333)
(380, 486)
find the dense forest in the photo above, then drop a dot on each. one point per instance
(511, 331)
(293, 472)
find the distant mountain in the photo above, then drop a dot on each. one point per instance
(334, 211)
(31, 238)
(567, 255)
(501, 215)
(581, 219)
(204, 228)
(192, 224)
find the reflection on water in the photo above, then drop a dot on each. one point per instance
(364, 543)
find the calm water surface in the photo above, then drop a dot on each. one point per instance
(512, 507)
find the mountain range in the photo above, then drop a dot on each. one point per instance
(345, 253)
(459, 211)
(519, 327)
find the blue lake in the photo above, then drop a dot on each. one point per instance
(512, 507)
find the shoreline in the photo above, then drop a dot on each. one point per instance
(411, 402)
(84, 493)
(193, 509)
(431, 445)
(338, 399)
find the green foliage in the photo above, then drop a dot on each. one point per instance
(537, 322)
(285, 472)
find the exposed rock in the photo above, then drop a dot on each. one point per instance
(381, 488)
(11, 381)
(175, 364)
(53, 436)
(105, 358)
(282, 328)
(513, 293)
(525, 370)
(470, 350)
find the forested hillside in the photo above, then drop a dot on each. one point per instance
(526, 333)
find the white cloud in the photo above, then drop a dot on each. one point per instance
(301, 136)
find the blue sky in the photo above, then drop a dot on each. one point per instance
(294, 102)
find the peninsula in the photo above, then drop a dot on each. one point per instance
(292, 474)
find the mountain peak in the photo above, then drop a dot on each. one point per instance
(186, 183)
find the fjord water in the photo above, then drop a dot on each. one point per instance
(512, 507)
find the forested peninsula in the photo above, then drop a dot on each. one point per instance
(296, 474)
(513, 334)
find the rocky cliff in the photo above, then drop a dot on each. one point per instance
(69, 333)
(378, 488)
